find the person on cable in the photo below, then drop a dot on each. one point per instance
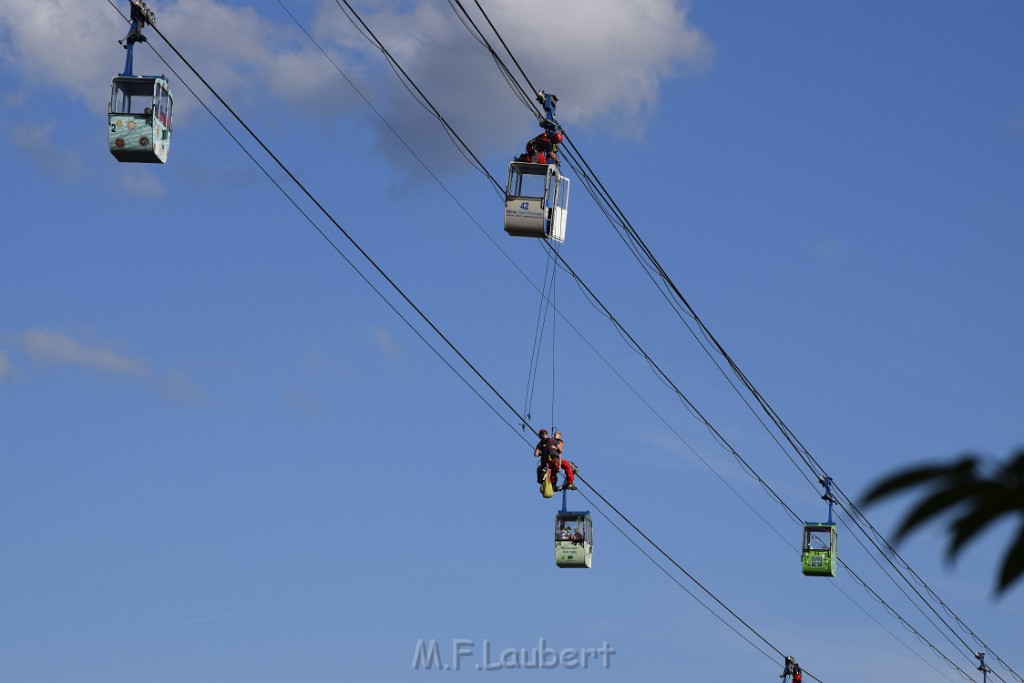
(549, 450)
(546, 449)
(557, 462)
(792, 669)
(542, 149)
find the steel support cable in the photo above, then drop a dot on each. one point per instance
(798, 447)
(422, 163)
(339, 227)
(890, 552)
(878, 598)
(425, 100)
(430, 172)
(881, 552)
(342, 254)
(690, 406)
(653, 560)
(660, 271)
(394, 286)
(787, 434)
(367, 31)
(748, 467)
(801, 450)
(543, 305)
(367, 35)
(370, 36)
(910, 599)
(589, 176)
(906, 625)
(416, 331)
(554, 336)
(671, 384)
(688, 575)
(286, 170)
(651, 273)
(319, 230)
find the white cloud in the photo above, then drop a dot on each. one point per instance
(244, 55)
(178, 385)
(73, 45)
(6, 367)
(385, 341)
(49, 157)
(141, 182)
(605, 59)
(66, 43)
(47, 347)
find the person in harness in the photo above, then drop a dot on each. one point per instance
(549, 450)
(541, 149)
(792, 669)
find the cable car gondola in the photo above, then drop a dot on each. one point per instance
(818, 555)
(537, 194)
(574, 538)
(139, 113)
(536, 201)
(819, 550)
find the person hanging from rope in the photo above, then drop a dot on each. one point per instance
(546, 449)
(792, 669)
(557, 462)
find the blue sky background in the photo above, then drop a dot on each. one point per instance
(225, 459)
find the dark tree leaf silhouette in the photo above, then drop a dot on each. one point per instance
(973, 499)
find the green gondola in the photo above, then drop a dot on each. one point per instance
(819, 550)
(818, 554)
(574, 539)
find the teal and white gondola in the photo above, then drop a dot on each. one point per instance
(139, 116)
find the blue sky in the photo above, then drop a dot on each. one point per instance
(226, 459)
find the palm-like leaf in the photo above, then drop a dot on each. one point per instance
(1013, 563)
(974, 501)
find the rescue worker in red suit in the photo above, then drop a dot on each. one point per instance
(792, 669)
(557, 462)
(541, 149)
(549, 450)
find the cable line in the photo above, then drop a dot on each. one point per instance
(408, 301)
(641, 248)
(658, 268)
(418, 94)
(403, 296)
